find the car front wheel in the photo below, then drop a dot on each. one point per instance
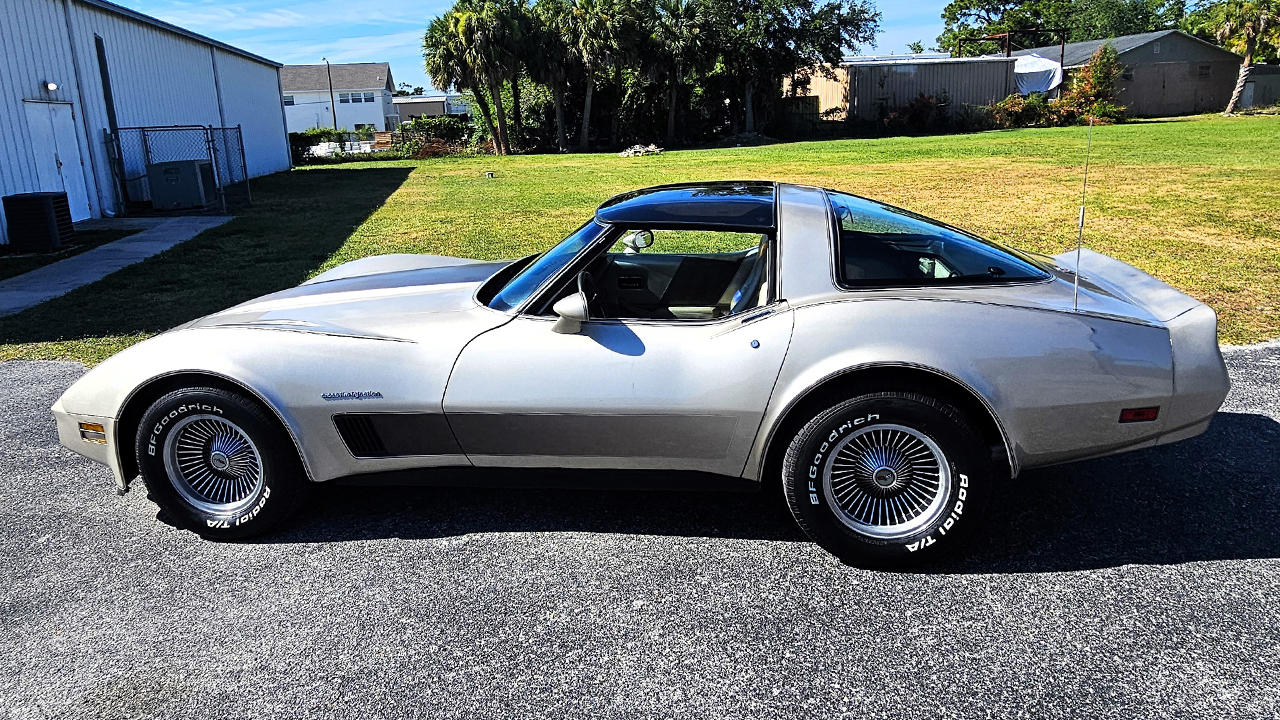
(218, 464)
(887, 479)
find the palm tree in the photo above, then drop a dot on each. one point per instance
(548, 58)
(489, 36)
(588, 28)
(1241, 26)
(446, 61)
(678, 32)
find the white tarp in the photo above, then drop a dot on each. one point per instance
(1036, 74)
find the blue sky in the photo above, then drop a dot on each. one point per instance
(303, 31)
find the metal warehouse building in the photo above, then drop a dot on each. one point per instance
(869, 86)
(90, 93)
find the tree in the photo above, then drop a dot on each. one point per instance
(678, 36)
(916, 47)
(1244, 27)
(767, 40)
(1082, 19)
(447, 61)
(548, 58)
(587, 26)
(491, 35)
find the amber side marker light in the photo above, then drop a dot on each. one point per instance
(93, 432)
(1139, 414)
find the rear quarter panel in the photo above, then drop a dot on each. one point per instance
(1056, 381)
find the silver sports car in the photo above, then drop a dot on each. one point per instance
(885, 369)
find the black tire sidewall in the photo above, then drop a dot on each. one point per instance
(284, 483)
(967, 457)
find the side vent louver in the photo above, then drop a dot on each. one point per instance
(360, 435)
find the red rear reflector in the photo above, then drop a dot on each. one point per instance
(1139, 414)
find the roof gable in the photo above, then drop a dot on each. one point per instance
(346, 76)
(1077, 54)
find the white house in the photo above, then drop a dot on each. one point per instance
(73, 71)
(356, 95)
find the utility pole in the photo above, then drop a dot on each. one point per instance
(332, 105)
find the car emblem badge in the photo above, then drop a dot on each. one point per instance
(352, 395)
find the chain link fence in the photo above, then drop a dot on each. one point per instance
(138, 152)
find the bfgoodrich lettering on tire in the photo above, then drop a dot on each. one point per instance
(887, 479)
(218, 464)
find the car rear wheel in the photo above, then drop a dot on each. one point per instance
(218, 464)
(887, 479)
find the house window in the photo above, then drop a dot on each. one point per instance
(345, 98)
(368, 97)
(1203, 70)
(288, 99)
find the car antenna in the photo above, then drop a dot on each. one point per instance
(1075, 290)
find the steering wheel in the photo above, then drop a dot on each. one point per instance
(587, 286)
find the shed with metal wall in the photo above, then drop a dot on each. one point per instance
(869, 87)
(159, 75)
(877, 87)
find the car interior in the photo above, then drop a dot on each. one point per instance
(646, 276)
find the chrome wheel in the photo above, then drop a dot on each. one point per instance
(887, 481)
(213, 464)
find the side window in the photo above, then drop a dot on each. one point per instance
(880, 245)
(344, 97)
(288, 100)
(678, 275)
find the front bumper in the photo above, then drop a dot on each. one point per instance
(103, 452)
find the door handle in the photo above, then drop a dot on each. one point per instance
(756, 315)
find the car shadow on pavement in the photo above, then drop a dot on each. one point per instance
(1216, 497)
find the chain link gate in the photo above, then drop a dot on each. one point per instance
(134, 149)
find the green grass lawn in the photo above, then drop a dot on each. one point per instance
(1194, 201)
(13, 264)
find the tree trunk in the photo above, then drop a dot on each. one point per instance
(586, 114)
(750, 124)
(1245, 67)
(488, 120)
(617, 91)
(562, 139)
(671, 109)
(495, 90)
(517, 118)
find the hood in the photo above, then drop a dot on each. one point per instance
(386, 297)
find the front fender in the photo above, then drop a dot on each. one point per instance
(288, 371)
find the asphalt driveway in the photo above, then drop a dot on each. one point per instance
(1146, 585)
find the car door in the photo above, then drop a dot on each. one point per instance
(632, 394)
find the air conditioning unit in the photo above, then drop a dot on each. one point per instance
(38, 222)
(182, 184)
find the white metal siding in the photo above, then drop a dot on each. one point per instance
(33, 51)
(158, 77)
(251, 99)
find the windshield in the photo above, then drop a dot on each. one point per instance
(514, 293)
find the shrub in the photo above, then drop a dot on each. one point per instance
(923, 112)
(448, 129)
(1091, 96)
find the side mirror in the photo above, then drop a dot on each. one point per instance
(572, 310)
(637, 241)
